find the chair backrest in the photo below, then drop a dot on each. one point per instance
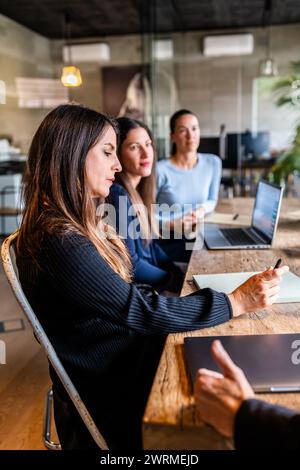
(11, 271)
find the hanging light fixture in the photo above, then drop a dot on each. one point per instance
(267, 66)
(71, 75)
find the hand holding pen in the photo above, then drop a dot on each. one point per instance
(278, 263)
(259, 291)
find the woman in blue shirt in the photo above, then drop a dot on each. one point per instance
(132, 197)
(187, 183)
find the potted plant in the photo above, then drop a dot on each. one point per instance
(288, 90)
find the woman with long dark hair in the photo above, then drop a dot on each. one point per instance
(133, 196)
(76, 273)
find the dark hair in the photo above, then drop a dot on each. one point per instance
(173, 119)
(125, 125)
(145, 191)
(57, 198)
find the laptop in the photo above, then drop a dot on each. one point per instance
(262, 231)
(271, 363)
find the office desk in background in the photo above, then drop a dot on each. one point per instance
(170, 421)
(252, 171)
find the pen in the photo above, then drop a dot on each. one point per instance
(235, 217)
(278, 263)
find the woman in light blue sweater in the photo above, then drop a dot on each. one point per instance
(187, 183)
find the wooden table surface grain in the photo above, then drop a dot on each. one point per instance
(170, 421)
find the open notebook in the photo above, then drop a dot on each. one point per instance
(227, 282)
(228, 219)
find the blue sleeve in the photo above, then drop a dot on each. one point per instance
(210, 204)
(161, 258)
(147, 273)
(144, 268)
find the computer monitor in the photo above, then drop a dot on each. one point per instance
(238, 146)
(209, 145)
(255, 145)
(233, 151)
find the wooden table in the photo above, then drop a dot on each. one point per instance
(170, 421)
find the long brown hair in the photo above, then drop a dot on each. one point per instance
(57, 198)
(144, 194)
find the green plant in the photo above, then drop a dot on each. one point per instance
(288, 94)
(289, 162)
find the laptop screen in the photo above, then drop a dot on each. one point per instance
(267, 205)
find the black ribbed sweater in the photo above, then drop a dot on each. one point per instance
(99, 324)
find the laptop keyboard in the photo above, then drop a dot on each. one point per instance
(237, 237)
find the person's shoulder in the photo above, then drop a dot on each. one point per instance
(71, 253)
(162, 164)
(212, 159)
(70, 248)
(66, 242)
(163, 170)
(117, 190)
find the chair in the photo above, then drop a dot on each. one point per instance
(11, 271)
(47, 423)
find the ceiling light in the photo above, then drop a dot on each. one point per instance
(267, 66)
(71, 76)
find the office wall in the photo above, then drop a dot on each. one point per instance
(22, 54)
(223, 90)
(219, 90)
